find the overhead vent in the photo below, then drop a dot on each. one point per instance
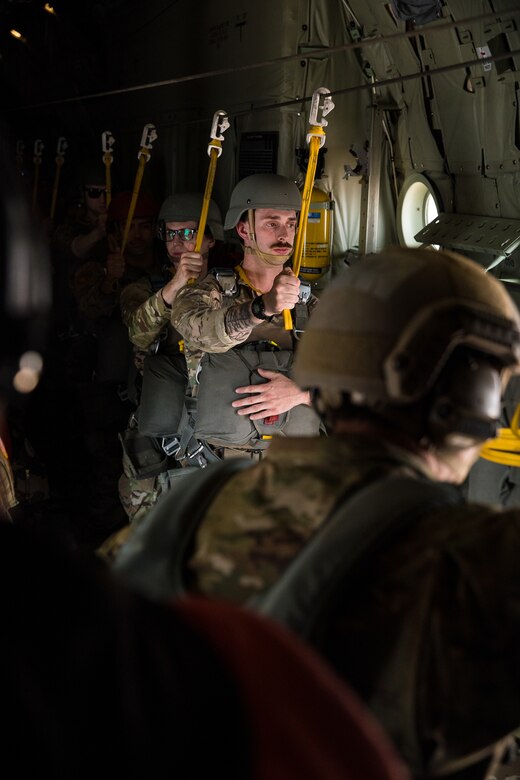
(258, 153)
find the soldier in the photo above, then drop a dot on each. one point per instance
(236, 319)
(423, 618)
(146, 307)
(82, 235)
(99, 681)
(147, 311)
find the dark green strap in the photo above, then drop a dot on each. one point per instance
(153, 559)
(366, 520)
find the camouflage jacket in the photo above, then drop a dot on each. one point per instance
(199, 315)
(146, 315)
(427, 628)
(264, 516)
(148, 318)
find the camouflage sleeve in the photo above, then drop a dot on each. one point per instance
(144, 314)
(256, 526)
(92, 301)
(199, 313)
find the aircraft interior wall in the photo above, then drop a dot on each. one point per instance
(459, 128)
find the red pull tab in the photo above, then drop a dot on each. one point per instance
(271, 419)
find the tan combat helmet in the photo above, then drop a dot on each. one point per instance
(187, 207)
(384, 330)
(262, 191)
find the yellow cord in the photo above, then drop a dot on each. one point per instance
(505, 449)
(240, 271)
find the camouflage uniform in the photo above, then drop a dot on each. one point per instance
(148, 318)
(421, 627)
(265, 515)
(199, 314)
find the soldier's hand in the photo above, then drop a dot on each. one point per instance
(283, 294)
(191, 266)
(276, 395)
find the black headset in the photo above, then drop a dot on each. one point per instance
(466, 400)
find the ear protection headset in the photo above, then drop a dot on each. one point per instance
(466, 400)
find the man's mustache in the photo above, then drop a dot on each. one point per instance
(281, 245)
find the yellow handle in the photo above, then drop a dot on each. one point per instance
(35, 184)
(314, 148)
(59, 163)
(107, 159)
(213, 157)
(135, 195)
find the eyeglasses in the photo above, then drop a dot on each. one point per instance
(167, 234)
(95, 192)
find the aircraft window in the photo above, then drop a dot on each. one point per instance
(418, 205)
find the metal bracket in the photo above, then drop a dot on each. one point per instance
(39, 146)
(325, 107)
(148, 137)
(107, 142)
(218, 128)
(61, 148)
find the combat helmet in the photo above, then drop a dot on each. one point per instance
(386, 330)
(261, 191)
(187, 207)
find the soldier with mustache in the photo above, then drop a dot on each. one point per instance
(246, 394)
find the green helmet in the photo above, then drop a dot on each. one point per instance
(384, 330)
(262, 191)
(186, 207)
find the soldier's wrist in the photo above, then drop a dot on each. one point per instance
(258, 309)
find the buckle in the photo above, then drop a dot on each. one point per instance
(170, 445)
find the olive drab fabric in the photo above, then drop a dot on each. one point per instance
(220, 425)
(420, 11)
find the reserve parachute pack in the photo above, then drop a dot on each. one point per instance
(220, 425)
(217, 421)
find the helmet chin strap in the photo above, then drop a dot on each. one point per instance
(269, 258)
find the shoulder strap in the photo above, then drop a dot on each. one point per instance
(152, 560)
(363, 522)
(226, 278)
